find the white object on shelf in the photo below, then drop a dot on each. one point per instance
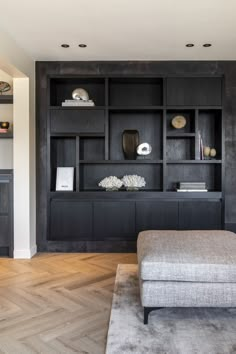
(192, 190)
(65, 179)
(144, 149)
(76, 103)
(133, 181)
(111, 183)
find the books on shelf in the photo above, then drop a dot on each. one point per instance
(191, 187)
(192, 190)
(78, 103)
(4, 131)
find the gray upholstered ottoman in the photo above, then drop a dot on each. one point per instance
(187, 269)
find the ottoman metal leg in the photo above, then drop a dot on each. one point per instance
(146, 312)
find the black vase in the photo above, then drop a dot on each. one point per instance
(130, 141)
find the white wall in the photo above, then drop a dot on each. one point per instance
(6, 114)
(15, 62)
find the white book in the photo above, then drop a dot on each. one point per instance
(65, 179)
(192, 190)
(77, 101)
(77, 104)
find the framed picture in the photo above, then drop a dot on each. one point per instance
(65, 179)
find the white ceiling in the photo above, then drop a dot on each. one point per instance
(122, 29)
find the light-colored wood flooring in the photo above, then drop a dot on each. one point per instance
(57, 303)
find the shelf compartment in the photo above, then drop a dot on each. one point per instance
(92, 148)
(77, 121)
(92, 174)
(194, 91)
(62, 88)
(136, 92)
(148, 124)
(209, 173)
(63, 154)
(210, 128)
(190, 121)
(180, 149)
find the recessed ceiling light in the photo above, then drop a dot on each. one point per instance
(82, 45)
(65, 45)
(189, 45)
(206, 45)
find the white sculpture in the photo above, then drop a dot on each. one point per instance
(133, 182)
(111, 183)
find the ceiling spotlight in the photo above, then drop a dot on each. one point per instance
(189, 45)
(82, 45)
(65, 45)
(206, 45)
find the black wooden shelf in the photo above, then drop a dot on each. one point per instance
(135, 108)
(194, 107)
(121, 161)
(73, 135)
(180, 135)
(131, 108)
(6, 99)
(6, 136)
(77, 107)
(142, 193)
(194, 162)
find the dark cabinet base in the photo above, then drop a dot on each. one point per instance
(112, 224)
(88, 246)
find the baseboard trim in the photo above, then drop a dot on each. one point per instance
(25, 253)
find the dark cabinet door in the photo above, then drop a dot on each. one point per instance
(114, 220)
(71, 220)
(6, 216)
(200, 215)
(161, 215)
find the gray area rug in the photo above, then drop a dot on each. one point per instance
(170, 331)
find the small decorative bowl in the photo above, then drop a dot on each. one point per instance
(4, 125)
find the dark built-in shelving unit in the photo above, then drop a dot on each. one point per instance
(6, 99)
(6, 198)
(90, 140)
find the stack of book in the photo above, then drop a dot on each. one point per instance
(3, 131)
(191, 187)
(77, 103)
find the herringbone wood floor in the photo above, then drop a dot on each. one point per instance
(57, 303)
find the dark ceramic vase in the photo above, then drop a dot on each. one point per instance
(130, 141)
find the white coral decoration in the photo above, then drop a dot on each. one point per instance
(133, 181)
(111, 182)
